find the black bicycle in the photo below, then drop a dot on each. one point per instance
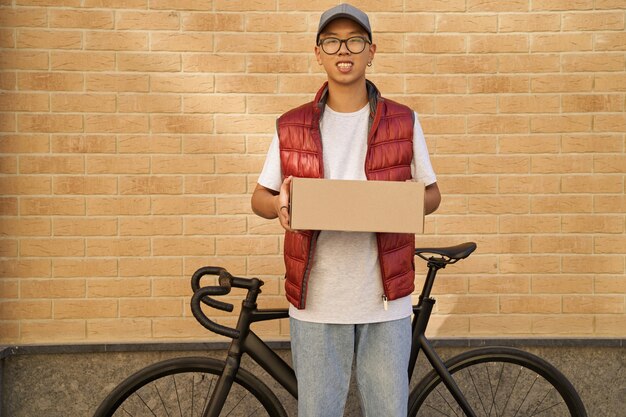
(489, 381)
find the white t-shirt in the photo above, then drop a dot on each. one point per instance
(345, 284)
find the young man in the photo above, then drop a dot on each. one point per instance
(349, 292)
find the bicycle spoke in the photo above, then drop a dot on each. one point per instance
(526, 396)
(438, 411)
(156, 388)
(447, 403)
(469, 371)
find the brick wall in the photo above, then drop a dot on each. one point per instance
(133, 132)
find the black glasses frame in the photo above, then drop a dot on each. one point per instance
(342, 41)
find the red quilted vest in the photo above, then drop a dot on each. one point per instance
(389, 156)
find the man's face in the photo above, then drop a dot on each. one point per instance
(345, 67)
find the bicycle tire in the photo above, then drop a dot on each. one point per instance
(182, 387)
(499, 382)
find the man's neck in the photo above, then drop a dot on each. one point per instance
(347, 98)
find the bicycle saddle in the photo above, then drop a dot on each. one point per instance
(450, 254)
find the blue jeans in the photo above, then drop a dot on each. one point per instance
(323, 355)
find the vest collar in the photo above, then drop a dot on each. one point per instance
(373, 96)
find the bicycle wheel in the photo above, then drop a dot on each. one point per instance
(182, 387)
(499, 382)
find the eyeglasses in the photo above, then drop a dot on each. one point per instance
(355, 44)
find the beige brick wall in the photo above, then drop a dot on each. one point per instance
(133, 131)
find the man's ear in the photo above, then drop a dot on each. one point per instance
(318, 54)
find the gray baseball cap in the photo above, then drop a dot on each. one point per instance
(349, 12)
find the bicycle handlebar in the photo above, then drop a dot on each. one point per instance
(202, 295)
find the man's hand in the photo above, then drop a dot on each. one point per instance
(270, 204)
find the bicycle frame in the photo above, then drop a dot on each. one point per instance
(248, 342)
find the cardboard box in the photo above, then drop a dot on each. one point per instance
(357, 206)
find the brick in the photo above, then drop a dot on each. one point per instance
(562, 284)
(562, 5)
(466, 224)
(500, 324)
(612, 164)
(115, 4)
(611, 325)
(25, 226)
(76, 226)
(593, 62)
(251, 124)
(183, 246)
(266, 265)
(295, 84)
(503, 243)
(561, 42)
(56, 3)
(104, 123)
(8, 248)
(264, 245)
(152, 266)
(137, 307)
(37, 143)
(465, 23)
(499, 284)
(7, 38)
(50, 81)
(529, 264)
(436, 6)
(609, 284)
(275, 22)
(239, 164)
(467, 304)
(189, 164)
(536, 103)
(118, 287)
(497, 6)
(233, 205)
(148, 62)
(498, 84)
(149, 103)
(147, 20)
(497, 124)
(166, 205)
(9, 206)
(270, 63)
(170, 287)
(116, 41)
(25, 268)
(610, 244)
(461, 64)
(43, 247)
(118, 329)
(499, 205)
(246, 83)
(610, 41)
(52, 331)
(26, 102)
(561, 244)
(609, 123)
(182, 4)
(592, 223)
(117, 247)
(84, 185)
(609, 204)
(581, 103)
(608, 4)
(433, 44)
(260, 226)
(556, 164)
(529, 22)
(585, 183)
(83, 143)
(592, 143)
(82, 61)
(80, 309)
(426, 84)
(402, 22)
(567, 325)
(530, 304)
(8, 165)
(466, 105)
(561, 204)
(23, 60)
(215, 184)
(245, 43)
(186, 328)
(213, 22)
(535, 184)
(9, 289)
(214, 103)
(23, 17)
(117, 82)
(25, 185)
(182, 83)
(556, 124)
(48, 39)
(7, 123)
(117, 206)
(597, 264)
(43, 122)
(149, 144)
(51, 165)
(270, 103)
(529, 224)
(230, 225)
(609, 83)
(183, 42)
(529, 144)
(596, 21)
(181, 124)
(102, 103)
(529, 63)
(150, 226)
(465, 144)
(8, 80)
(133, 185)
(87, 19)
(52, 288)
(498, 43)
(213, 63)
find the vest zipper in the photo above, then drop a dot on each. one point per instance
(385, 305)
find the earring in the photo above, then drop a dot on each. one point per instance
(369, 64)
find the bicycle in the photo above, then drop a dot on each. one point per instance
(489, 381)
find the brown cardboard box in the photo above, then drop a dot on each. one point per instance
(357, 206)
